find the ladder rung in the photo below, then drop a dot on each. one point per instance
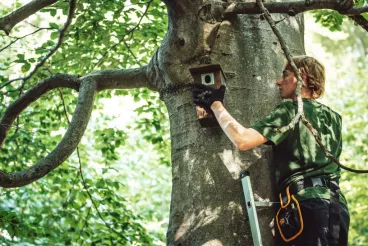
(265, 204)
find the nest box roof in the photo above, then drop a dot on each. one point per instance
(206, 69)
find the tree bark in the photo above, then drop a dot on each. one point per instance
(207, 206)
(9, 21)
(293, 7)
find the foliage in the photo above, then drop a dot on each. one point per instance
(89, 199)
(332, 19)
(347, 94)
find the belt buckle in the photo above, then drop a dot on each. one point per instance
(317, 182)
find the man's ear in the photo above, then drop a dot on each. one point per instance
(305, 79)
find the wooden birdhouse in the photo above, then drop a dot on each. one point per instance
(210, 75)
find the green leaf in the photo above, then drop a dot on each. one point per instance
(54, 25)
(54, 35)
(53, 12)
(100, 183)
(81, 197)
(26, 66)
(20, 57)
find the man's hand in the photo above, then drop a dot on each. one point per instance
(204, 95)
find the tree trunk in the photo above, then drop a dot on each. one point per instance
(207, 206)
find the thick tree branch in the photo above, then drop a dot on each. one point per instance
(292, 8)
(122, 79)
(87, 86)
(66, 146)
(13, 111)
(361, 21)
(9, 21)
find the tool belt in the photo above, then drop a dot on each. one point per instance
(289, 218)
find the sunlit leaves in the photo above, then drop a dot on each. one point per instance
(107, 140)
(61, 209)
(330, 19)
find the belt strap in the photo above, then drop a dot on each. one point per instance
(334, 217)
(295, 187)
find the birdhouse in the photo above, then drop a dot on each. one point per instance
(210, 75)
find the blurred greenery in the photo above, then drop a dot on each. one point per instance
(345, 55)
(117, 190)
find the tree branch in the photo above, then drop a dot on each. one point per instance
(122, 79)
(9, 21)
(85, 221)
(72, 7)
(93, 201)
(13, 111)
(87, 86)
(66, 146)
(361, 21)
(82, 176)
(19, 38)
(288, 56)
(292, 8)
(62, 32)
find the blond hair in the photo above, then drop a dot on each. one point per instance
(314, 71)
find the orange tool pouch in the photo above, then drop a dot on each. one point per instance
(289, 218)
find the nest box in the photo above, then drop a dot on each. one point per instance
(210, 75)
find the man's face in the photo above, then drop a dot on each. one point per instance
(287, 85)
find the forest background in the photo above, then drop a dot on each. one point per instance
(120, 177)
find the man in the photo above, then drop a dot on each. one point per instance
(313, 210)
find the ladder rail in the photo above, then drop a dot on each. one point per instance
(251, 206)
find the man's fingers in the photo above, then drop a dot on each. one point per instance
(199, 95)
(204, 94)
(196, 98)
(198, 102)
(201, 86)
(198, 91)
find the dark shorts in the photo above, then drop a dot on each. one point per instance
(315, 214)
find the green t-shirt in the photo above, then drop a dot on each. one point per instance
(296, 152)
